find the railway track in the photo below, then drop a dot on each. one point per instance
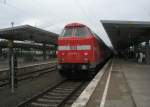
(27, 75)
(57, 96)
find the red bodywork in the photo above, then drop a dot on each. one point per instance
(70, 54)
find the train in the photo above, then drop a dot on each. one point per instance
(80, 51)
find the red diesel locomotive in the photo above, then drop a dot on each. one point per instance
(80, 51)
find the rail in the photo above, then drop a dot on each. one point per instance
(55, 96)
(25, 72)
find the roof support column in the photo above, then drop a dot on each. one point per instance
(11, 65)
(44, 51)
(147, 52)
(0, 51)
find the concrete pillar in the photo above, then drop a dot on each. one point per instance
(44, 51)
(0, 51)
(11, 65)
(147, 52)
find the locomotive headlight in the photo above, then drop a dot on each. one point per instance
(84, 67)
(85, 53)
(62, 53)
(59, 67)
(86, 59)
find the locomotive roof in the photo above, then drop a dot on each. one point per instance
(82, 25)
(75, 25)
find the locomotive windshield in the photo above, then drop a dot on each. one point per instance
(80, 31)
(67, 32)
(76, 31)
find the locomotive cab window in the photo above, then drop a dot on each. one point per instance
(76, 31)
(67, 32)
(80, 31)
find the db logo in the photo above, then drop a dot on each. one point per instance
(73, 47)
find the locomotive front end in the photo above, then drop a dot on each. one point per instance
(74, 49)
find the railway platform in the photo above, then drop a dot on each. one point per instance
(5, 64)
(120, 84)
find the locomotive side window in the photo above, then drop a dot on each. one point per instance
(80, 31)
(67, 32)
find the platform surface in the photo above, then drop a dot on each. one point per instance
(138, 78)
(129, 86)
(4, 64)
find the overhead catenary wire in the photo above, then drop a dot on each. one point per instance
(69, 17)
(98, 27)
(106, 38)
(90, 18)
(81, 16)
(23, 11)
(84, 13)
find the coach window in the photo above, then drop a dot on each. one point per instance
(67, 32)
(81, 31)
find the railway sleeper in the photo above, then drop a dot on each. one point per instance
(37, 104)
(49, 97)
(43, 100)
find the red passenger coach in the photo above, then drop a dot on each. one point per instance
(79, 51)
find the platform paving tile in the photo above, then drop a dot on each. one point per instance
(118, 93)
(138, 78)
(129, 86)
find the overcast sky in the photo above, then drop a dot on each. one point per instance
(53, 15)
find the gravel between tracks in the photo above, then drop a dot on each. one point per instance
(28, 88)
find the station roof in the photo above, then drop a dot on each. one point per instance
(27, 32)
(124, 34)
